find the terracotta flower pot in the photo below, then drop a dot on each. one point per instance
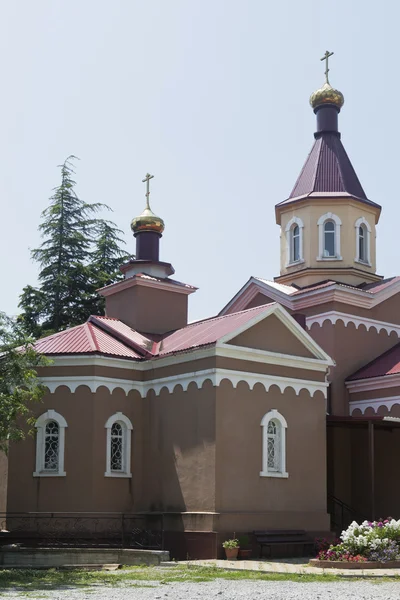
(231, 553)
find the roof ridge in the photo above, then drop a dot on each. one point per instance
(317, 165)
(121, 337)
(90, 335)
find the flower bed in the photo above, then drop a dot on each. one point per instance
(372, 545)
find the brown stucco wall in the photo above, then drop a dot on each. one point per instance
(84, 488)
(148, 309)
(351, 349)
(247, 501)
(179, 449)
(272, 335)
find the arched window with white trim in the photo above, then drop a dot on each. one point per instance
(274, 427)
(118, 449)
(50, 445)
(329, 237)
(294, 240)
(363, 236)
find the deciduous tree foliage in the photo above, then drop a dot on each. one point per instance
(79, 254)
(19, 383)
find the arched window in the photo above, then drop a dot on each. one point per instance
(363, 233)
(50, 445)
(329, 237)
(118, 458)
(294, 240)
(274, 445)
(295, 244)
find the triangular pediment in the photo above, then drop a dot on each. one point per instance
(275, 331)
(272, 335)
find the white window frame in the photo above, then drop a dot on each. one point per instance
(126, 445)
(321, 230)
(357, 225)
(50, 415)
(289, 241)
(281, 472)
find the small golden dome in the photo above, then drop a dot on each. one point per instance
(147, 221)
(327, 95)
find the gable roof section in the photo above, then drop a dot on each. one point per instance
(291, 324)
(387, 363)
(84, 339)
(295, 298)
(328, 172)
(209, 331)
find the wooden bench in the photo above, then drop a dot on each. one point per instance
(283, 537)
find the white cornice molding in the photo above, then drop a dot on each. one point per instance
(216, 376)
(334, 316)
(374, 403)
(271, 358)
(133, 281)
(373, 383)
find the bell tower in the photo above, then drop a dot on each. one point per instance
(327, 223)
(147, 299)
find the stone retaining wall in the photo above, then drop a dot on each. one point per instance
(59, 557)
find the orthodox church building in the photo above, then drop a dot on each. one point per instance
(281, 412)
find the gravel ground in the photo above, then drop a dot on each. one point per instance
(223, 590)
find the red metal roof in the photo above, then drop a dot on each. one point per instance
(104, 335)
(328, 171)
(376, 287)
(84, 339)
(209, 331)
(387, 363)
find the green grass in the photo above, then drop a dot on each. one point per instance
(36, 580)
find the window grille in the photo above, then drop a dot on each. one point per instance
(51, 446)
(274, 428)
(117, 450)
(273, 446)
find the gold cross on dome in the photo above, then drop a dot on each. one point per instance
(326, 58)
(147, 180)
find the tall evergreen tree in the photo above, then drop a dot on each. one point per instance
(73, 239)
(106, 258)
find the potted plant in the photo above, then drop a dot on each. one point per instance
(231, 548)
(244, 550)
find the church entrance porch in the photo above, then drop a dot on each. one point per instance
(362, 453)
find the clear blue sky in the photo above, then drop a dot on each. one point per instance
(209, 95)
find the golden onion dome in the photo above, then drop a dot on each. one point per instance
(327, 95)
(147, 221)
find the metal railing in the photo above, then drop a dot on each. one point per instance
(83, 529)
(342, 514)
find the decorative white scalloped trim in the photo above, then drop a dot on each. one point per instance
(185, 379)
(333, 317)
(376, 403)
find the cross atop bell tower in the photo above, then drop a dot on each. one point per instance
(326, 57)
